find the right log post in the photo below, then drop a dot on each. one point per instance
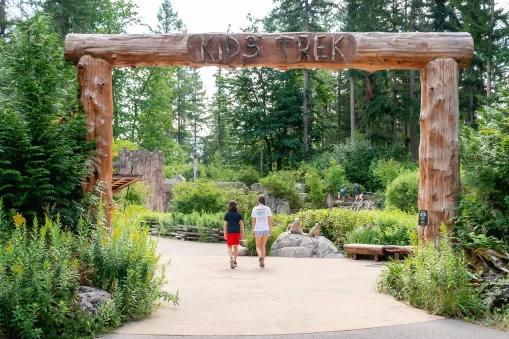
(439, 151)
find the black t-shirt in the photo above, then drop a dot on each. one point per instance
(233, 219)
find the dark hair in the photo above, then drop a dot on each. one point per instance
(261, 199)
(232, 206)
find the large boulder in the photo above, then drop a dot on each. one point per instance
(302, 246)
(90, 298)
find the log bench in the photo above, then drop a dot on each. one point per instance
(362, 249)
(399, 252)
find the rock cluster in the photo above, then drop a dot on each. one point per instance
(302, 246)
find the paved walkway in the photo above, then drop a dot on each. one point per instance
(289, 296)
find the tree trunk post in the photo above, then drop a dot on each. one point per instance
(439, 152)
(95, 81)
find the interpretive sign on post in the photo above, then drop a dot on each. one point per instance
(423, 218)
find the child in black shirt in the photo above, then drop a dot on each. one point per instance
(233, 232)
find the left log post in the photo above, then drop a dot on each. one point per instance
(95, 80)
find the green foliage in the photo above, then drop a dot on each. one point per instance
(435, 279)
(338, 224)
(335, 177)
(316, 188)
(201, 196)
(118, 144)
(403, 191)
(385, 171)
(282, 185)
(485, 161)
(135, 194)
(125, 262)
(42, 266)
(356, 159)
(43, 155)
(248, 176)
(384, 231)
(196, 219)
(206, 197)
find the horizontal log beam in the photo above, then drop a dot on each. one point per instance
(367, 51)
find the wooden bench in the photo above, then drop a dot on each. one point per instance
(362, 249)
(399, 252)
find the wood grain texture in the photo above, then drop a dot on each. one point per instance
(368, 51)
(364, 249)
(95, 81)
(439, 161)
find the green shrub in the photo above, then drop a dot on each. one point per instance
(337, 224)
(44, 155)
(402, 193)
(282, 185)
(196, 219)
(38, 283)
(316, 187)
(41, 268)
(201, 196)
(365, 235)
(385, 171)
(435, 279)
(248, 176)
(125, 263)
(135, 194)
(356, 159)
(485, 165)
(335, 177)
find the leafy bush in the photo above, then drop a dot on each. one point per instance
(201, 196)
(135, 194)
(356, 159)
(335, 177)
(125, 263)
(41, 268)
(44, 157)
(248, 176)
(196, 219)
(316, 187)
(434, 278)
(337, 224)
(485, 164)
(402, 192)
(282, 185)
(385, 171)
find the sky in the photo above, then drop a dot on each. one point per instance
(202, 16)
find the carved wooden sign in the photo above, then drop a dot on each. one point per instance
(258, 49)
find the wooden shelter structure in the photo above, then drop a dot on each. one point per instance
(438, 56)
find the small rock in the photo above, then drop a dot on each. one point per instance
(90, 298)
(242, 251)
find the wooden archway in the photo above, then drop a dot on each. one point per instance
(438, 56)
